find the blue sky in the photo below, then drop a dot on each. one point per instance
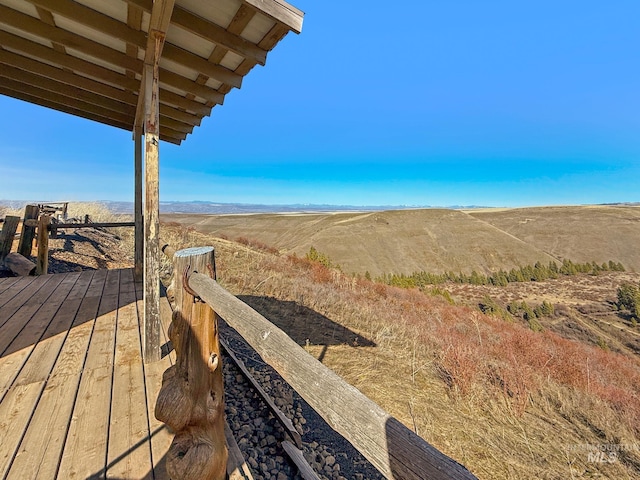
(463, 102)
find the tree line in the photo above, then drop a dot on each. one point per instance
(527, 273)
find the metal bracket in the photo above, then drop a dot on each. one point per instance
(187, 288)
(185, 281)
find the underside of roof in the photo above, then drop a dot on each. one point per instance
(86, 57)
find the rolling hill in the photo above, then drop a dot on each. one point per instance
(438, 240)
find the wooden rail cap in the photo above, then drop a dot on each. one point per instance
(396, 451)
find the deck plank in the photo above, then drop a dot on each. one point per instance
(76, 400)
(39, 455)
(39, 288)
(161, 438)
(15, 410)
(24, 289)
(82, 459)
(37, 369)
(17, 285)
(22, 367)
(129, 452)
(23, 331)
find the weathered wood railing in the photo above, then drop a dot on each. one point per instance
(392, 448)
(191, 400)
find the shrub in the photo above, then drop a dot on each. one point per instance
(629, 298)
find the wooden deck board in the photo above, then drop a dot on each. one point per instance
(76, 401)
(160, 436)
(129, 451)
(37, 288)
(39, 455)
(91, 414)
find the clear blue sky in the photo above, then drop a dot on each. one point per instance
(421, 102)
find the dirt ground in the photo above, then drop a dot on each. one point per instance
(86, 249)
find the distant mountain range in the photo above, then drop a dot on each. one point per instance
(216, 208)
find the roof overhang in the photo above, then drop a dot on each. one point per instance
(87, 57)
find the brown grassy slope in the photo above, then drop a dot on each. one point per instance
(503, 400)
(581, 234)
(403, 241)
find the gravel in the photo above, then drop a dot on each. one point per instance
(259, 435)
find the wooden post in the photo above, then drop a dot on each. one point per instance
(42, 264)
(191, 400)
(54, 228)
(152, 212)
(28, 233)
(137, 210)
(19, 265)
(7, 235)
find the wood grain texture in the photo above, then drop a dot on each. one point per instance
(19, 264)
(191, 400)
(7, 235)
(151, 215)
(392, 448)
(28, 233)
(42, 262)
(129, 446)
(58, 378)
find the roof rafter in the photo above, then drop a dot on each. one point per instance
(49, 55)
(210, 31)
(110, 26)
(90, 57)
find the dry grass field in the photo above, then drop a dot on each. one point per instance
(506, 401)
(438, 240)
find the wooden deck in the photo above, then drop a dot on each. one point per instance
(76, 400)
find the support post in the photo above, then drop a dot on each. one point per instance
(28, 233)
(42, 264)
(191, 400)
(7, 235)
(151, 211)
(137, 210)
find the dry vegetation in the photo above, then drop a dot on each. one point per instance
(505, 401)
(440, 240)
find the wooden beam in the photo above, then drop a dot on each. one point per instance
(20, 265)
(90, 91)
(281, 12)
(63, 89)
(114, 57)
(165, 134)
(152, 204)
(33, 26)
(47, 71)
(218, 35)
(42, 263)
(110, 26)
(101, 74)
(28, 233)
(123, 118)
(37, 50)
(210, 31)
(8, 235)
(137, 208)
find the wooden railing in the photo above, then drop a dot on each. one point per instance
(38, 223)
(396, 451)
